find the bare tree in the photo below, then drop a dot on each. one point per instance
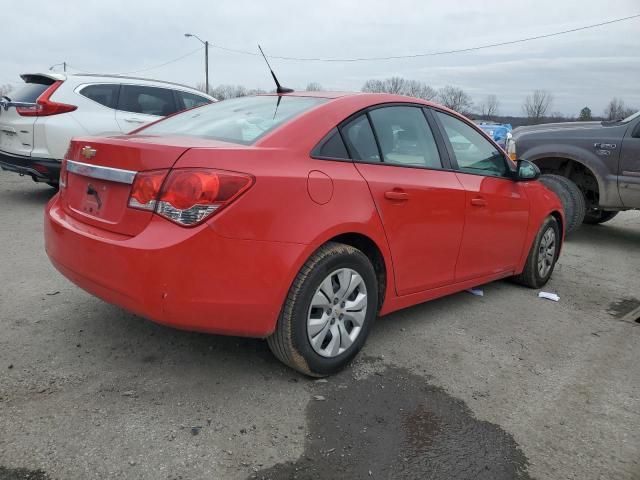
(6, 88)
(400, 86)
(455, 98)
(616, 110)
(489, 108)
(536, 105)
(313, 87)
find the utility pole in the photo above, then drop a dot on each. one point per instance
(206, 66)
(206, 59)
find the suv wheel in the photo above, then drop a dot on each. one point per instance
(572, 199)
(328, 312)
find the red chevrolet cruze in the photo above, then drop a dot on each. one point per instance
(298, 217)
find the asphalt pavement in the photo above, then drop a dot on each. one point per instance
(503, 386)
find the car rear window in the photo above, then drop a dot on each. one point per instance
(239, 120)
(29, 92)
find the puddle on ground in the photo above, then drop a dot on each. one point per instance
(623, 306)
(22, 474)
(395, 425)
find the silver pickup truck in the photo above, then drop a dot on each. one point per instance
(593, 166)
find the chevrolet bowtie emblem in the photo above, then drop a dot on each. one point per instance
(88, 152)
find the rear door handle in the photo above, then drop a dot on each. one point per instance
(133, 120)
(395, 195)
(478, 202)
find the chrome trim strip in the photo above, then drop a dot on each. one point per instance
(100, 172)
(628, 173)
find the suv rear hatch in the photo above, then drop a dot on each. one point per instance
(17, 114)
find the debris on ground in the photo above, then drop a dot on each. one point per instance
(478, 292)
(549, 296)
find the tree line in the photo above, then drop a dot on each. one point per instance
(536, 107)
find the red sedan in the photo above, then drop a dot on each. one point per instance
(299, 218)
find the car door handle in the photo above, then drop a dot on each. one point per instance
(133, 120)
(478, 202)
(395, 195)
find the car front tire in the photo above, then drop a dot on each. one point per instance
(542, 256)
(595, 217)
(328, 312)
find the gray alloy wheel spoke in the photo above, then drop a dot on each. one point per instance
(546, 252)
(335, 318)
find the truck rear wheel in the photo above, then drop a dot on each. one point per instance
(572, 199)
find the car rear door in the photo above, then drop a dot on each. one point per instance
(497, 208)
(17, 131)
(141, 104)
(629, 175)
(420, 202)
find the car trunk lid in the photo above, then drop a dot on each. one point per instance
(100, 173)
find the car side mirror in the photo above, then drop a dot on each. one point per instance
(526, 170)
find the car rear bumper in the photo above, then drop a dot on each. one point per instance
(40, 169)
(188, 278)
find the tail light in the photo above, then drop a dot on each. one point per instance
(44, 107)
(187, 196)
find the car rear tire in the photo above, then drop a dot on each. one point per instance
(572, 199)
(594, 217)
(542, 256)
(328, 312)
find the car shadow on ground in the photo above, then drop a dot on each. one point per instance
(614, 236)
(35, 194)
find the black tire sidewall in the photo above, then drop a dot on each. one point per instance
(553, 223)
(360, 263)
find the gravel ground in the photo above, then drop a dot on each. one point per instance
(498, 387)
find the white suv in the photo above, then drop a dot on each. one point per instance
(38, 120)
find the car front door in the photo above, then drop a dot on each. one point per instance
(421, 203)
(139, 105)
(497, 208)
(629, 175)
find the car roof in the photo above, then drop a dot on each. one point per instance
(95, 76)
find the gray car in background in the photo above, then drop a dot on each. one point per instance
(594, 167)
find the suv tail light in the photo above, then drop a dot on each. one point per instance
(44, 107)
(187, 196)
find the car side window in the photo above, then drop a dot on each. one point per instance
(191, 100)
(147, 100)
(360, 140)
(405, 137)
(331, 146)
(473, 152)
(106, 94)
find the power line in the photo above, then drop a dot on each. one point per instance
(430, 54)
(162, 64)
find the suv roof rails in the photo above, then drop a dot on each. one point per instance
(112, 75)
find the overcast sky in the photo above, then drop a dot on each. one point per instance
(583, 68)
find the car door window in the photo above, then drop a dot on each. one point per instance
(405, 137)
(360, 140)
(190, 100)
(472, 151)
(147, 100)
(106, 95)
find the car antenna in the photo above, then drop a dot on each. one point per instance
(280, 88)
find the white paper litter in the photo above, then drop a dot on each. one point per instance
(549, 296)
(478, 292)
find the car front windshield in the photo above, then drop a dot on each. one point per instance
(239, 120)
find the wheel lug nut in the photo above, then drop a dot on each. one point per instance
(342, 304)
(341, 316)
(335, 301)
